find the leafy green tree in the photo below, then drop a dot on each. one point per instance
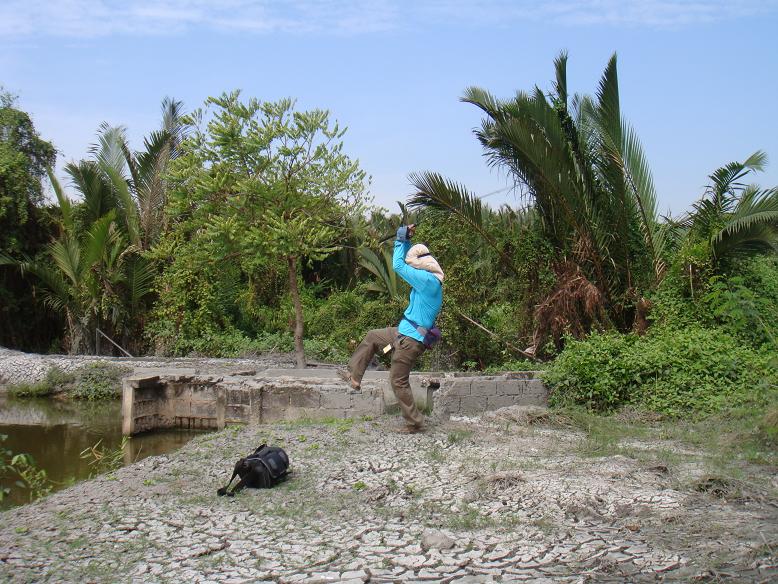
(25, 224)
(262, 187)
(591, 188)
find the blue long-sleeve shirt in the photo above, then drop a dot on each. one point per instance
(426, 293)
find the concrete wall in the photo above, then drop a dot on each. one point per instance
(176, 401)
(164, 399)
(478, 394)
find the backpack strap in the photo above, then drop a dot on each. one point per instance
(422, 331)
(223, 491)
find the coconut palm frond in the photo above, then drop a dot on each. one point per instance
(66, 208)
(560, 66)
(98, 239)
(386, 282)
(140, 282)
(108, 151)
(66, 255)
(172, 122)
(727, 178)
(93, 184)
(753, 223)
(433, 191)
(127, 206)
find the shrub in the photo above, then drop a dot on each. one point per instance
(676, 372)
(39, 389)
(56, 381)
(96, 381)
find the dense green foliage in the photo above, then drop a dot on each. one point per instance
(591, 191)
(244, 228)
(93, 273)
(258, 190)
(25, 226)
(672, 371)
(702, 354)
(90, 382)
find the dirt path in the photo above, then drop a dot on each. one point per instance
(470, 501)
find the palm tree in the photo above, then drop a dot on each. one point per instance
(590, 186)
(144, 193)
(69, 275)
(95, 272)
(732, 217)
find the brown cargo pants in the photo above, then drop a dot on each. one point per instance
(404, 355)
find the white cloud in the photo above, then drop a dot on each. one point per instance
(96, 18)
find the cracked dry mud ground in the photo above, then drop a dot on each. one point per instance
(469, 501)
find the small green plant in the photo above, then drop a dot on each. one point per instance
(23, 466)
(103, 459)
(55, 381)
(456, 436)
(39, 389)
(359, 486)
(33, 478)
(97, 381)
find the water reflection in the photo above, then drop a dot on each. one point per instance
(55, 433)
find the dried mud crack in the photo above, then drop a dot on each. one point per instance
(469, 501)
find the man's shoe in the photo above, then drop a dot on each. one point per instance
(346, 376)
(408, 429)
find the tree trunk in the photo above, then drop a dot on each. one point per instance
(74, 334)
(299, 350)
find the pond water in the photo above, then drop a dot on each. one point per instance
(55, 433)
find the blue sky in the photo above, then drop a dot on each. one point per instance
(698, 78)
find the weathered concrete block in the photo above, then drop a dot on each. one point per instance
(177, 391)
(276, 398)
(333, 400)
(494, 402)
(146, 407)
(148, 393)
(204, 392)
(336, 413)
(460, 387)
(272, 414)
(446, 403)
(513, 387)
(304, 398)
(174, 408)
(295, 413)
(366, 405)
(203, 409)
(143, 382)
(472, 405)
(483, 387)
(238, 397)
(236, 414)
(524, 391)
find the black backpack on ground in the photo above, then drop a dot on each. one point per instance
(265, 468)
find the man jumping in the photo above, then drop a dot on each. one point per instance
(415, 265)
